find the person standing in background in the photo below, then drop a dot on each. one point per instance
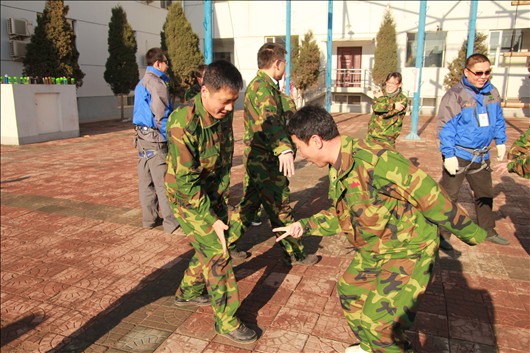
(390, 105)
(152, 107)
(469, 119)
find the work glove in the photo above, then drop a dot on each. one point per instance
(501, 151)
(451, 165)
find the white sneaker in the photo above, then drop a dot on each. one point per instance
(355, 349)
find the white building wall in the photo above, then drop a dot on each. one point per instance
(95, 98)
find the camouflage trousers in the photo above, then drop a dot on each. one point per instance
(211, 269)
(379, 296)
(264, 186)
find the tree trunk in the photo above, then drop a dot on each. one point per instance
(122, 117)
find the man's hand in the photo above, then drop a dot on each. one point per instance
(451, 165)
(294, 229)
(501, 151)
(501, 168)
(219, 227)
(399, 106)
(287, 164)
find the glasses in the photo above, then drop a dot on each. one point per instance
(480, 73)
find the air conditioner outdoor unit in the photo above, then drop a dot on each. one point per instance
(17, 48)
(17, 27)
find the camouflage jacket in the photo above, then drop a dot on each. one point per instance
(386, 121)
(265, 117)
(519, 156)
(384, 204)
(199, 159)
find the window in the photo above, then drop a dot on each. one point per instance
(434, 49)
(223, 55)
(347, 99)
(508, 40)
(281, 40)
(165, 3)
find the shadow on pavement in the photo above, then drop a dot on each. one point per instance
(159, 286)
(451, 313)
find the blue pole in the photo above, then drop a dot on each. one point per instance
(472, 26)
(208, 47)
(329, 58)
(413, 135)
(288, 48)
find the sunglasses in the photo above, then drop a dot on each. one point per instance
(479, 73)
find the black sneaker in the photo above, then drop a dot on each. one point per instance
(238, 255)
(497, 239)
(242, 334)
(202, 300)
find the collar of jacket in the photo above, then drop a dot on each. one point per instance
(346, 157)
(486, 89)
(269, 79)
(159, 73)
(205, 118)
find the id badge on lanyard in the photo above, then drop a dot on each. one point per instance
(483, 120)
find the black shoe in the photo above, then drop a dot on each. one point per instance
(242, 334)
(202, 300)
(309, 260)
(445, 245)
(497, 239)
(238, 255)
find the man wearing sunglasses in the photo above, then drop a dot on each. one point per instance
(469, 118)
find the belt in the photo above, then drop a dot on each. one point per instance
(477, 153)
(147, 154)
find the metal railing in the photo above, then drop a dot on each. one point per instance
(343, 78)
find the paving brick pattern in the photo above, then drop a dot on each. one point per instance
(80, 274)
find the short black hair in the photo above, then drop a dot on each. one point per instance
(153, 55)
(395, 75)
(199, 71)
(312, 120)
(222, 73)
(269, 53)
(476, 58)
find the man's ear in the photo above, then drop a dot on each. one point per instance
(317, 140)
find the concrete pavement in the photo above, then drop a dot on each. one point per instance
(80, 274)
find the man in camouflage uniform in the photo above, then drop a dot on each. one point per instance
(268, 156)
(195, 88)
(389, 108)
(389, 210)
(518, 157)
(201, 146)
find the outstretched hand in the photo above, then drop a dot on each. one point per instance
(294, 229)
(219, 228)
(287, 164)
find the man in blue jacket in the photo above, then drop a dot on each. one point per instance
(152, 107)
(469, 118)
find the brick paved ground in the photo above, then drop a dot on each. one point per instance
(79, 274)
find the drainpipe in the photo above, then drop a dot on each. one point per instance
(288, 48)
(413, 135)
(208, 52)
(328, 64)
(472, 26)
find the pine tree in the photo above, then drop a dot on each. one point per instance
(385, 56)
(121, 68)
(182, 46)
(306, 67)
(51, 51)
(456, 67)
